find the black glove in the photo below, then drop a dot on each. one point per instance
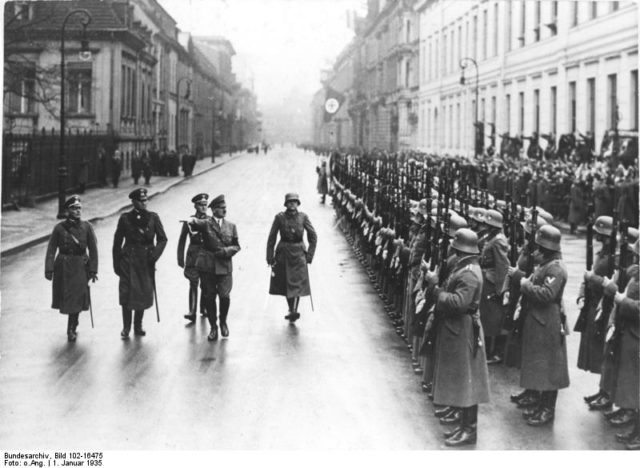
(93, 276)
(308, 257)
(48, 275)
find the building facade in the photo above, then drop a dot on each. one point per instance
(549, 67)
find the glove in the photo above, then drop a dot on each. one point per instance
(116, 270)
(308, 257)
(93, 276)
(505, 298)
(511, 270)
(580, 302)
(619, 297)
(181, 263)
(48, 275)
(424, 266)
(524, 281)
(588, 275)
(610, 288)
(431, 278)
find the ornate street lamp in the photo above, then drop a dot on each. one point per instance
(464, 63)
(85, 54)
(186, 96)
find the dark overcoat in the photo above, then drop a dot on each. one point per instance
(494, 261)
(626, 389)
(137, 245)
(77, 257)
(460, 376)
(592, 338)
(289, 273)
(220, 243)
(544, 347)
(577, 204)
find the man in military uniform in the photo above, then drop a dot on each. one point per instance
(544, 349)
(220, 244)
(494, 261)
(134, 262)
(461, 377)
(590, 354)
(75, 264)
(200, 203)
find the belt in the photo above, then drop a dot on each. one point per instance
(291, 241)
(72, 254)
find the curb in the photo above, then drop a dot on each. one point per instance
(38, 240)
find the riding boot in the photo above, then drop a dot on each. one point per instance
(212, 312)
(72, 324)
(126, 323)
(290, 303)
(137, 323)
(225, 303)
(296, 302)
(203, 305)
(193, 301)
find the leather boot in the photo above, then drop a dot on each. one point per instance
(625, 437)
(203, 306)
(225, 303)
(626, 416)
(454, 416)
(547, 409)
(443, 411)
(469, 433)
(72, 325)
(126, 323)
(137, 323)
(193, 301)
(612, 412)
(601, 403)
(594, 397)
(533, 399)
(516, 397)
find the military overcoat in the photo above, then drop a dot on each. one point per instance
(138, 243)
(460, 376)
(77, 256)
(494, 261)
(195, 244)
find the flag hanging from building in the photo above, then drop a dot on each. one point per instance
(332, 102)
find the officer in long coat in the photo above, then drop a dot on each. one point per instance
(593, 320)
(74, 265)
(460, 376)
(138, 243)
(494, 261)
(200, 203)
(577, 205)
(289, 259)
(544, 349)
(214, 261)
(624, 341)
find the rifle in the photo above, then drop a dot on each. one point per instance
(606, 303)
(581, 322)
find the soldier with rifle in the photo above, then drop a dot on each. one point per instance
(461, 378)
(544, 350)
(595, 307)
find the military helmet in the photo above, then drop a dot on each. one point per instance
(635, 247)
(603, 225)
(544, 214)
(632, 235)
(527, 224)
(465, 240)
(549, 237)
(477, 214)
(456, 222)
(493, 218)
(294, 197)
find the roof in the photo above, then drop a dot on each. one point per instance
(216, 40)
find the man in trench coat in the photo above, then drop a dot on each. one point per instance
(138, 243)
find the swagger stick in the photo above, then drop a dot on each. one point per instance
(90, 305)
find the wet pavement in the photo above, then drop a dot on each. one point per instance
(341, 378)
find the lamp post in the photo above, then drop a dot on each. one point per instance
(84, 52)
(186, 96)
(464, 63)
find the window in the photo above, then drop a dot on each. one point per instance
(574, 13)
(430, 60)
(521, 112)
(593, 10)
(509, 24)
(614, 6)
(572, 105)
(407, 76)
(450, 143)
(553, 25)
(634, 100)
(495, 29)
(485, 32)
(591, 105)
(459, 42)
(436, 59)
(78, 88)
(23, 11)
(474, 45)
(408, 30)
(554, 108)
(444, 54)
(458, 125)
(482, 109)
(536, 110)
(22, 95)
(523, 23)
(612, 90)
(536, 22)
(493, 109)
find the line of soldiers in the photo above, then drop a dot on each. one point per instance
(71, 262)
(469, 279)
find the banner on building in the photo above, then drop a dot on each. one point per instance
(332, 102)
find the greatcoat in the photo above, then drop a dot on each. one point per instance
(134, 261)
(494, 261)
(544, 348)
(289, 273)
(461, 377)
(72, 265)
(195, 244)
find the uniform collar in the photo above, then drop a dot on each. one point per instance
(552, 257)
(468, 260)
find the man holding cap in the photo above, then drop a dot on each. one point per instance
(72, 268)
(200, 203)
(214, 262)
(134, 262)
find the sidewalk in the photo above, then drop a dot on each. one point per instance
(30, 226)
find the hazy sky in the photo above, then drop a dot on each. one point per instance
(285, 43)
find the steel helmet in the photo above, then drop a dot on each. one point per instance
(294, 197)
(478, 214)
(635, 248)
(632, 235)
(549, 237)
(603, 225)
(493, 218)
(456, 222)
(544, 214)
(527, 224)
(465, 240)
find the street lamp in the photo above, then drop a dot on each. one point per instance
(85, 54)
(464, 63)
(186, 96)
